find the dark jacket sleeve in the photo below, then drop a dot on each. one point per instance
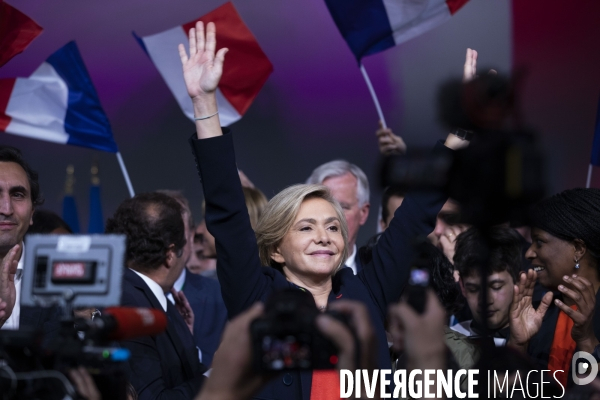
(386, 275)
(243, 279)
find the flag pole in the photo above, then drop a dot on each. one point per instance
(125, 174)
(589, 177)
(373, 95)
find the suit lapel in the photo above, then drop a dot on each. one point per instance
(171, 331)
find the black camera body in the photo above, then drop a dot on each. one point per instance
(24, 353)
(286, 337)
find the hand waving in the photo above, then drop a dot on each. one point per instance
(525, 321)
(470, 68)
(202, 70)
(8, 269)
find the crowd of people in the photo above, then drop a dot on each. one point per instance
(529, 292)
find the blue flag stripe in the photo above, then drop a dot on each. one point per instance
(141, 43)
(85, 121)
(595, 159)
(364, 25)
(69, 213)
(96, 222)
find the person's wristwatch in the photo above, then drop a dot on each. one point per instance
(463, 134)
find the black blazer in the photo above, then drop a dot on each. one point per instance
(210, 314)
(160, 366)
(245, 281)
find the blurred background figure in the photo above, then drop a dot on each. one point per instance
(204, 256)
(46, 221)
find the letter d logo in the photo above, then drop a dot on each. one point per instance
(591, 366)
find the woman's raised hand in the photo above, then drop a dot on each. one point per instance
(202, 70)
(470, 68)
(526, 321)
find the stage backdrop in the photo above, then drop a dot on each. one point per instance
(315, 106)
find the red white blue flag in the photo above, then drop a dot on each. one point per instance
(245, 71)
(57, 103)
(371, 26)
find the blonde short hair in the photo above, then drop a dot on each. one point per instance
(281, 212)
(256, 202)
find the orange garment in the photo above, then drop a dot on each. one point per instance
(563, 347)
(325, 385)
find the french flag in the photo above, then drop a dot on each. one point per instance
(371, 26)
(57, 103)
(245, 71)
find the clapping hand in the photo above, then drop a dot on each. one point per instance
(8, 293)
(581, 292)
(525, 321)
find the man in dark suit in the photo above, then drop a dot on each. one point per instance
(203, 293)
(165, 366)
(19, 195)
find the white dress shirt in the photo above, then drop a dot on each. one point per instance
(12, 323)
(178, 285)
(156, 289)
(351, 261)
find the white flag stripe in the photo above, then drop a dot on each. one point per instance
(162, 48)
(38, 106)
(411, 19)
(227, 113)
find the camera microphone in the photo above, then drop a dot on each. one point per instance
(122, 323)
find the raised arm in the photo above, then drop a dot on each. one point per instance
(238, 265)
(415, 217)
(202, 70)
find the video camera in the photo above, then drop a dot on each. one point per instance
(286, 337)
(62, 273)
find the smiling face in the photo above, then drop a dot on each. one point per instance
(16, 207)
(500, 294)
(551, 257)
(313, 247)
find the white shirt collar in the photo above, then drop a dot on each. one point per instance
(351, 260)
(155, 288)
(178, 285)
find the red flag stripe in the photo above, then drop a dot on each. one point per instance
(6, 88)
(455, 5)
(17, 30)
(246, 66)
